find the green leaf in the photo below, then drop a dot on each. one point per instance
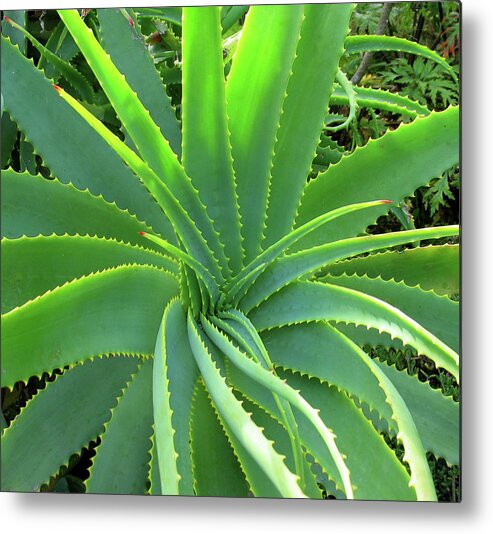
(122, 458)
(319, 49)
(273, 383)
(432, 267)
(355, 44)
(114, 311)
(380, 99)
(206, 149)
(128, 51)
(150, 143)
(26, 91)
(381, 478)
(289, 268)
(18, 16)
(32, 266)
(60, 420)
(255, 91)
(274, 430)
(438, 314)
(437, 417)
(64, 210)
(331, 358)
(275, 250)
(174, 376)
(245, 431)
(78, 82)
(414, 154)
(216, 470)
(308, 301)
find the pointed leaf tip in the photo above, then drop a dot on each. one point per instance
(57, 88)
(142, 233)
(387, 201)
(7, 19)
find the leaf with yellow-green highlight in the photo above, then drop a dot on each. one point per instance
(206, 147)
(113, 311)
(126, 46)
(318, 52)
(173, 380)
(33, 265)
(414, 154)
(303, 302)
(152, 146)
(432, 267)
(81, 158)
(238, 422)
(286, 269)
(255, 91)
(64, 210)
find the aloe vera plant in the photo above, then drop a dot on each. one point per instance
(192, 302)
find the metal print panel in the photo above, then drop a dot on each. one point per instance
(230, 260)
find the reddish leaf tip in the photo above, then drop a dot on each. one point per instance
(142, 233)
(6, 19)
(57, 88)
(131, 22)
(387, 201)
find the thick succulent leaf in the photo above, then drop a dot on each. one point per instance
(17, 38)
(319, 49)
(278, 248)
(33, 265)
(60, 42)
(26, 91)
(121, 462)
(273, 383)
(60, 420)
(294, 266)
(376, 473)
(414, 453)
(255, 91)
(188, 233)
(78, 82)
(308, 301)
(433, 267)
(368, 97)
(114, 311)
(238, 422)
(241, 330)
(330, 357)
(206, 148)
(437, 417)
(144, 132)
(318, 350)
(216, 470)
(355, 44)
(274, 430)
(174, 376)
(126, 46)
(438, 314)
(64, 210)
(415, 153)
(355, 435)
